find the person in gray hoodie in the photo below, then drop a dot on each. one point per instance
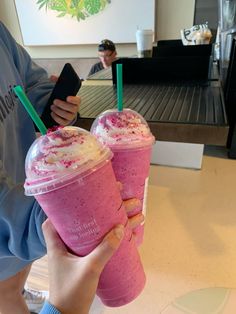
(21, 238)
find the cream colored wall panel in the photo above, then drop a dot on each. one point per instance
(172, 16)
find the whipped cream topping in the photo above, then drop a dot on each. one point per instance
(115, 128)
(64, 150)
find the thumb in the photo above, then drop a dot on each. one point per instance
(104, 251)
(53, 241)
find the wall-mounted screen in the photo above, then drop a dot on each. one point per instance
(71, 22)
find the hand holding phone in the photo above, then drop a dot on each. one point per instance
(68, 84)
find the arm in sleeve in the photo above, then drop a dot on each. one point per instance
(20, 226)
(37, 85)
(35, 79)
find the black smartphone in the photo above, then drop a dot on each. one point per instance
(68, 84)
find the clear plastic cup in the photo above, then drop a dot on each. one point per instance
(128, 135)
(70, 174)
(144, 38)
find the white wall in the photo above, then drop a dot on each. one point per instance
(172, 15)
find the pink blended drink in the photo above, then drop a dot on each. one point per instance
(127, 134)
(70, 174)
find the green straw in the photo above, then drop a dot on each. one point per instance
(28, 106)
(119, 80)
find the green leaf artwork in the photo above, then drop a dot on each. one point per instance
(80, 9)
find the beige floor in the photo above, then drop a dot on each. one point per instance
(190, 235)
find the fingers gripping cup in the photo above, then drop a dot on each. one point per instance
(127, 134)
(70, 174)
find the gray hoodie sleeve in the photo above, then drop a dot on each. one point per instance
(21, 238)
(35, 79)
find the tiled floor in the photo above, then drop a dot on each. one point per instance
(190, 240)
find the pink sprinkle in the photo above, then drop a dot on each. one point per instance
(54, 128)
